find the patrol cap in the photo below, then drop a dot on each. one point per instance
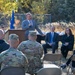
(32, 33)
(13, 37)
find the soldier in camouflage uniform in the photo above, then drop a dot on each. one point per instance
(13, 57)
(34, 51)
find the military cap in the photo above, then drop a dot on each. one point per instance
(13, 37)
(32, 33)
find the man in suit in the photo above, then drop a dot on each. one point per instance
(29, 24)
(51, 40)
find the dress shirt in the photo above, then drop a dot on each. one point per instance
(30, 22)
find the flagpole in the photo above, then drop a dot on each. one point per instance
(12, 20)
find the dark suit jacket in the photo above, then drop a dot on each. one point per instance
(69, 39)
(55, 38)
(27, 28)
(3, 46)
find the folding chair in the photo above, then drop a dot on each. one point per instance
(52, 58)
(49, 50)
(49, 71)
(74, 72)
(70, 68)
(12, 71)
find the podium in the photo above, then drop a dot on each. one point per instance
(20, 33)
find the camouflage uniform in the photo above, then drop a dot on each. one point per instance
(14, 58)
(34, 51)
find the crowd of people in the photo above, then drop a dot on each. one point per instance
(28, 53)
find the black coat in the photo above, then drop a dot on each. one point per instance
(3, 46)
(69, 39)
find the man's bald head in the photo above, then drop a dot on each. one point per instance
(52, 28)
(1, 34)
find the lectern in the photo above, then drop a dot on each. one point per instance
(20, 33)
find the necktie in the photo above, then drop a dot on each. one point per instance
(51, 40)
